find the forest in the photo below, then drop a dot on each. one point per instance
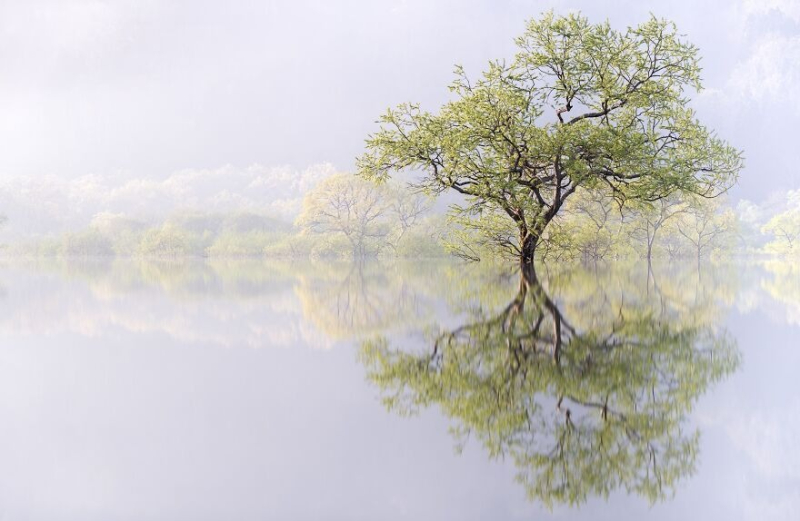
(344, 216)
(583, 146)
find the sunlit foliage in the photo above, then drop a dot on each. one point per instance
(368, 218)
(785, 230)
(580, 106)
(706, 226)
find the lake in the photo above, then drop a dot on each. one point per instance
(221, 389)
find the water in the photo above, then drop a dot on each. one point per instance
(255, 390)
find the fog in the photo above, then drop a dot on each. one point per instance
(190, 330)
(149, 107)
(51, 204)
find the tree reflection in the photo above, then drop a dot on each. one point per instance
(352, 300)
(582, 410)
(783, 285)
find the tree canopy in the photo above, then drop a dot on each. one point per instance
(785, 227)
(366, 217)
(580, 105)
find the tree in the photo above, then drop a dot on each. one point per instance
(368, 216)
(407, 208)
(123, 232)
(579, 106)
(348, 206)
(705, 226)
(580, 410)
(785, 227)
(651, 217)
(750, 220)
(169, 241)
(592, 225)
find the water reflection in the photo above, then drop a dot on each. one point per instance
(783, 285)
(586, 379)
(235, 304)
(585, 401)
(347, 300)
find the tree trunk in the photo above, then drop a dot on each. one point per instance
(528, 242)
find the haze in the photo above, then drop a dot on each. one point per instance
(144, 89)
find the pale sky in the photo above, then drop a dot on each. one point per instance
(145, 88)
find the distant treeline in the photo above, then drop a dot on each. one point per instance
(345, 216)
(198, 234)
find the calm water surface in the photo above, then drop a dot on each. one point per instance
(410, 390)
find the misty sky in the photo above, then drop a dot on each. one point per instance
(145, 88)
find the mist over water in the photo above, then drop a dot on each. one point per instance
(209, 310)
(193, 389)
